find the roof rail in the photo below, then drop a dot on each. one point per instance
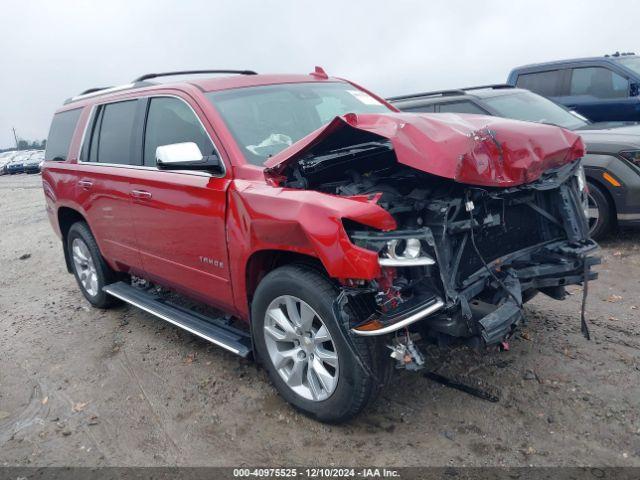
(94, 92)
(449, 93)
(442, 93)
(140, 82)
(496, 86)
(191, 72)
(91, 90)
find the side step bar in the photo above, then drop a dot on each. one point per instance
(215, 330)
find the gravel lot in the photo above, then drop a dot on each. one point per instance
(86, 387)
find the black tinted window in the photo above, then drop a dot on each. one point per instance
(61, 133)
(171, 120)
(598, 82)
(544, 83)
(419, 109)
(113, 133)
(461, 107)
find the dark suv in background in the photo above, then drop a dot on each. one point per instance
(612, 163)
(600, 88)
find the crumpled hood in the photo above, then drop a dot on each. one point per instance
(470, 149)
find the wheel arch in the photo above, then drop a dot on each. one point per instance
(605, 191)
(261, 262)
(66, 218)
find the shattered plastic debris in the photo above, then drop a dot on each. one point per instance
(407, 355)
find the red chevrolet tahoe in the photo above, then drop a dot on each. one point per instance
(333, 234)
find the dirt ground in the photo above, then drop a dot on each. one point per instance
(80, 386)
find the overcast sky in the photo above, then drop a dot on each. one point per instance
(52, 50)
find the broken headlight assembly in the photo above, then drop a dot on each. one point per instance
(402, 295)
(407, 252)
(395, 249)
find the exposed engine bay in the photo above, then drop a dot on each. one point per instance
(464, 257)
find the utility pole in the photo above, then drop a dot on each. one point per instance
(15, 137)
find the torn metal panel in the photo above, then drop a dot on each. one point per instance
(470, 149)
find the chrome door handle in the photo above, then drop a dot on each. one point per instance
(140, 194)
(86, 184)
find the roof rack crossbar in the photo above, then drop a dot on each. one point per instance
(192, 72)
(442, 93)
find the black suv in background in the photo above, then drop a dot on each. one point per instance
(612, 163)
(600, 88)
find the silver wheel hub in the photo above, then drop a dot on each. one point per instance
(84, 266)
(300, 348)
(594, 212)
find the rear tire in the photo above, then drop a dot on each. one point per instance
(91, 271)
(303, 349)
(600, 212)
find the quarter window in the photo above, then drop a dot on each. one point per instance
(598, 82)
(170, 120)
(60, 134)
(543, 83)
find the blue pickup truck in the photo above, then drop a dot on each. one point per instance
(602, 89)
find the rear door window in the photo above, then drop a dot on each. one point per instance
(61, 133)
(461, 107)
(547, 83)
(598, 82)
(113, 133)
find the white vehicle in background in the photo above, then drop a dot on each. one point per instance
(33, 164)
(5, 158)
(16, 165)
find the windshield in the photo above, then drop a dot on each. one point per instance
(530, 107)
(632, 63)
(266, 120)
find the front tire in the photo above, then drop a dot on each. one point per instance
(600, 212)
(305, 351)
(91, 271)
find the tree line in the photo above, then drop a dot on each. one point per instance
(28, 145)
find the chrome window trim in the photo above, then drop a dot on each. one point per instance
(199, 173)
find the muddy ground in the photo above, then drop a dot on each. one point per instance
(80, 386)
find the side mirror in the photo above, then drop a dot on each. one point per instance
(184, 156)
(634, 90)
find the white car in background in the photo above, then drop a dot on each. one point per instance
(33, 164)
(5, 158)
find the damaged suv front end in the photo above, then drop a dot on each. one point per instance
(488, 212)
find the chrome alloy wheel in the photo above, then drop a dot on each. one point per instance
(84, 266)
(301, 348)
